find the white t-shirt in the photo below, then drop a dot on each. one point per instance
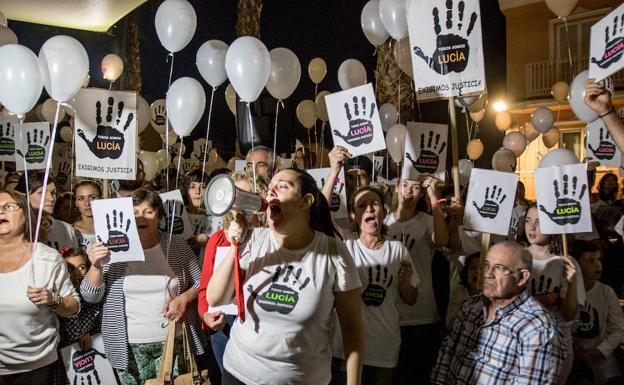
(289, 297)
(601, 326)
(199, 223)
(379, 273)
(148, 287)
(418, 232)
(547, 277)
(61, 234)
(29, 333)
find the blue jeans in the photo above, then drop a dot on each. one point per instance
(220, 339)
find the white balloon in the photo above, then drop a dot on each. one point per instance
(248, 66)
(112, 67)
(48, 110)
(7, 36)
(465, 168)
(393, 15)
(577, 98)
(158, 115)
(85, 82)
(3, 20)
(186, 101)
(175, 23)
(67, 134)
(516, 142)
(388, 115)
(466, 101)
(285, 73)
(372, 27)
(543, 119)
(561, 8)
(143, 113)
(504, 160)
(351, 73)
(20, 78)
(150, 164)
(64, 64)
(210, 62)
(558, 157)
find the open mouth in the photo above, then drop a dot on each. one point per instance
(3, 221)
(370, 220)
(274, 208)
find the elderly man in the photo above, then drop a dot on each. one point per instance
(260, 157)
(504, 336)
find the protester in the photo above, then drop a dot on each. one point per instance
(35, 288)
(140, 298)
(53, 232)
(86, 191)
(64, 208)
(601, 324)
(386, 271)
(193, 188)
(262, 158)
(294, 275)
(504, 335)
(469, 280)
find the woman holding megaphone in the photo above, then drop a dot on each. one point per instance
(293, 275)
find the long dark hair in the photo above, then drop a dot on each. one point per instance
(320, 214)
(605, 196)
(194, 175)
(35, 181)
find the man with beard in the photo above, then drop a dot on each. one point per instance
(504, 335)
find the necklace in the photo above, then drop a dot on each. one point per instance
(19, 261)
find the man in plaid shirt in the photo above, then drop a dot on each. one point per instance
(503, 336)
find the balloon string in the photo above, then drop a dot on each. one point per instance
(170, 55)
(71, 171)
(468, 125)
(310, 148)
(277, 106)
(322, 141)
(253, 158)
(207, 134)
(171, 213)
(565, 22)
(110, 85)
(399, 80)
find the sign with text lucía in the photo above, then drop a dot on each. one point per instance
(600, 145)
(563, 199)
(88, 366)
(176, 212)
(425, 151)
(446, 47)
(8, 125)
(116, 227)
(32, 145)
(354, 120)
(490, 201)
(105, 134)
(606, 51)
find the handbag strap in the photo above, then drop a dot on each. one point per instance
(188, 352)
(166, 363)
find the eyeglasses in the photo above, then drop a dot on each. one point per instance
(499, 270)
(10, 207)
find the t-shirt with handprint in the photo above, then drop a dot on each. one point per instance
(416, 234)
(289, 299)
(85, 241)
(547, 277)
(379, 274)
(61, 234)
(601, 325)
(199, 223)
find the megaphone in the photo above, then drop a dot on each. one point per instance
(222, 195)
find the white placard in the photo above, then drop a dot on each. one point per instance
(8, 124)
(230, 308)
(600, 146)
(446, 47)
(425, 151)
(32, 142)
(88, 366)
(563, 199)
(338, 203)
(354, 120)
(378, 162)
(240, 165)
(606, 52)
(116, 227)
(105, 135)
(181, 223)
(490, 201)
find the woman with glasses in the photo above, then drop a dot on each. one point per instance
(142, 297)
(85, 192)
(52, 232)
(35, 289)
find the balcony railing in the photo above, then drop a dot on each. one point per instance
(541, 76)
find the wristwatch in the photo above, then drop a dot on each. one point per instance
(57, 301)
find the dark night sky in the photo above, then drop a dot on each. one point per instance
(312, 28)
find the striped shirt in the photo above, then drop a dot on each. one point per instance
(522, 345)
(114, 325)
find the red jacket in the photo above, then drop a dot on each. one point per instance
(218, 239)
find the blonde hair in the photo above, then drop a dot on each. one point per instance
(261, 185)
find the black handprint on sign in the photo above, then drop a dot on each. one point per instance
(281, 298)
(109, 140)
(117, 233)
(187, 166)
(7, 141)
(567, 209)
(36, 151)
(83, 363)
(544, 286)
(360, 124)
(175, 211)
(606, 147)
(614, 44)
(492, 202)
(452, 50)
(334, 203)
(63, 172)
(159, 116)
(589, 322)
(513, 228)
(375, 292)
(429, 158)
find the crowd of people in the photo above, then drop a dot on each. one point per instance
(395, 293)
